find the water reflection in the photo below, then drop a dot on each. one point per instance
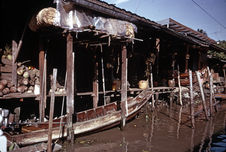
(192, 139)
(203, 137)
(179, 122)
(160, 130)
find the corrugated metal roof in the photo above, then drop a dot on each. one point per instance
(181, 32)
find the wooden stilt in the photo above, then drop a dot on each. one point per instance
(224, 80)
(42, 83)
(51, 112)
(191, 100)
(70, 87)
(202, 95)
(102, 72)
(179, 85)
(157, 56)
(124, 106)
(14, 64)
(187, 56)
(95, 87)
(211, 91)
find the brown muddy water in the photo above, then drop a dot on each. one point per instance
(162, 130)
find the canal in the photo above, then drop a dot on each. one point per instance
(161, 130)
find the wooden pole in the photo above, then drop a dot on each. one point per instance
(42, 84)
(124, 106)
(51, 112)
(157, 56)
(102, 72)
(95, 87)
(179, 85)
(224, 80)
(14, 64)
(187, 56)
(211, 91)
(70, 86)
(202, 95)
(191, 100)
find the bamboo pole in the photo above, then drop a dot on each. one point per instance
(179, 85)
(202, 95)
(191, 101)
(211, 91)
(51, 112)
(124, 106)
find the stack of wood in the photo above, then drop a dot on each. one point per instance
(27, 77)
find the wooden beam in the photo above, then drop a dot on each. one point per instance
(191, 101)
(70, 85)
(187, 56)
(42, 78)
(14, 64)
(202, 95)
(51, 111)
(95, 87)
(124, 106)
(211, 91)
(179, 85)
(157, 56)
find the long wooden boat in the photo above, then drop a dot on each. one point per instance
(97, 119)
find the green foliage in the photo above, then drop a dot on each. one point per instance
(218, 55)
(222, 44)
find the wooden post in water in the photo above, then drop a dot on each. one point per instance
(179, 85)
(211, 91)
(51, 111)
(124, 106)
(70, 87)
(191, 100)
(202, 95)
